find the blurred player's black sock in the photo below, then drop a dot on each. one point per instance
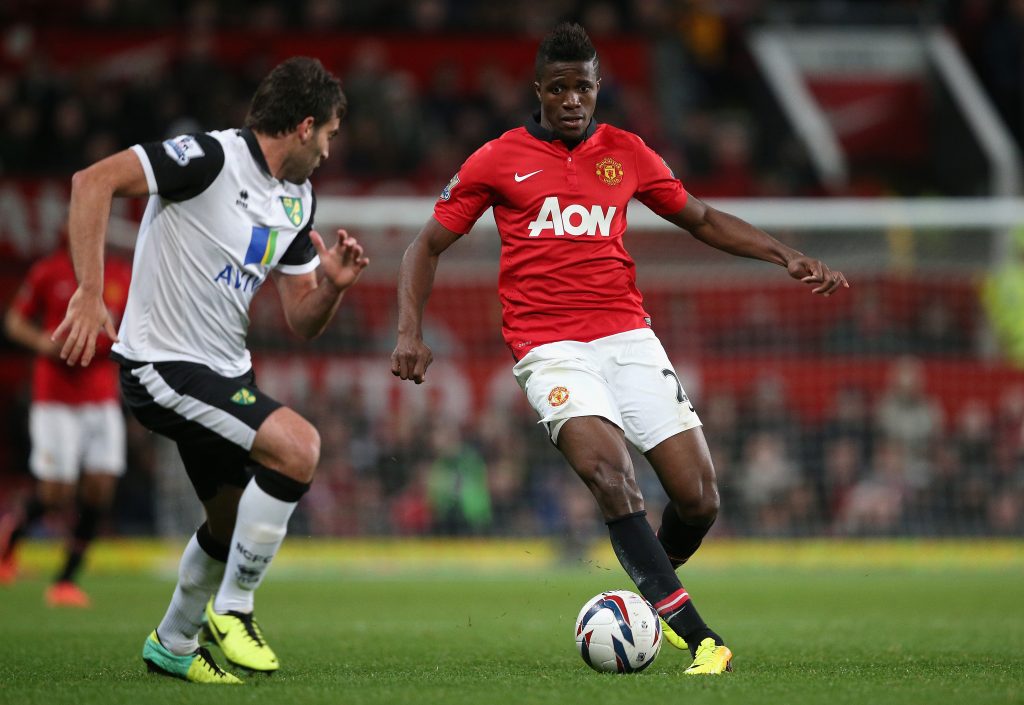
(81, 537)
(644, 559)
(679, 538)
(30, 514)
(71, 565)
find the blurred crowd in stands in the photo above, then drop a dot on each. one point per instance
(888, 464)
(888, 459)
(707, 110)
(888, 456)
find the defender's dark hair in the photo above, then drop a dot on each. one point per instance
(294, 90)
(566, 42)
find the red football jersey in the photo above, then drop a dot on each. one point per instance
(561, 215)
(43, 298)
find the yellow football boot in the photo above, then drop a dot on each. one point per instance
(671, 637)
(711, 659)
(241, 640)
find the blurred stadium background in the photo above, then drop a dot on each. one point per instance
(883, 137)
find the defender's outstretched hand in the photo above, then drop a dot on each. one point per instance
(343, 263)
(411, 359)
(814, 271)
(86, 316)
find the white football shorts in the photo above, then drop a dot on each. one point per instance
(67, 438)
(626, 378)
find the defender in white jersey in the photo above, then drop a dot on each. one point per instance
(227, 210)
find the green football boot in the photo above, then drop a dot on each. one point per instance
(197, 667)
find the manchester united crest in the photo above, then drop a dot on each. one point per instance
(558, 396)
(609, 171)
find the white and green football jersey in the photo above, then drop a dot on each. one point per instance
(216, 224)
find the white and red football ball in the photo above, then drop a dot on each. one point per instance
(618, 632)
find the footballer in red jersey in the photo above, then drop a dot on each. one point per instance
(561, 214)
(75, 421)
(573, 317)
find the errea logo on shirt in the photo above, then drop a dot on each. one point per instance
(574, 220)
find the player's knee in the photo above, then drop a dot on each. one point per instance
(706, 509)
(697, 504)
(311, 453)
(288, 444)
(305, 454)
(294, 452)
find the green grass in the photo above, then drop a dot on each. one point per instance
(887, 635)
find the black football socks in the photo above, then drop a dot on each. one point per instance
(645, 561)
(680, 539)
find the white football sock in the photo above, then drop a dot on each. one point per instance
(260, 528)
(199, 574)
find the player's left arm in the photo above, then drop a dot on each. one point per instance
(730, 234)
(310, 299)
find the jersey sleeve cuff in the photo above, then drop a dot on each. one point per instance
(453, 223)
(676, 205)
(299, 268)
(147, 168)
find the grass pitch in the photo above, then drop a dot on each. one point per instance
(860, 633)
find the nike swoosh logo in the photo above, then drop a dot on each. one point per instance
(524, 177)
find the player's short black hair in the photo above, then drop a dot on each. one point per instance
(566, 42)
(295, 89)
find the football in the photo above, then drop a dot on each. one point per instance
(618, 632)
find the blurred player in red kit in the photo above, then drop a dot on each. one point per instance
(75, 421)
(586, 355)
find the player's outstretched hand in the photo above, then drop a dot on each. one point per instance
(814, 271)
(411, 359)
(86, 316)
(343, 263)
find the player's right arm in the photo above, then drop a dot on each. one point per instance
(92, 191)
(412, 357)
(460, 205)
(176, 169)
